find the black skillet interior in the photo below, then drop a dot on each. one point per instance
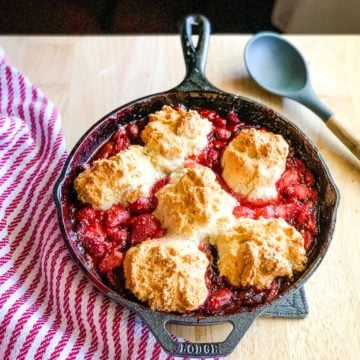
(196, 92)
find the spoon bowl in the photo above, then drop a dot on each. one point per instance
(284, 75)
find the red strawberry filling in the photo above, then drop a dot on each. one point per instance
(118, 236)
(110, 262)
(88, 215)
(218, 299)
(106, 234)
(132, 131)
(117, 215)
(144, 227)
(143, 205)
(93, 239)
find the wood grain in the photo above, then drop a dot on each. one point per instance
(87, 77)
(344, 134)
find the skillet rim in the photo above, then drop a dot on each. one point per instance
(57, 195)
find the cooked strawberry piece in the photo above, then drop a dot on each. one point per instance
(87, 215)
(253, 296)
(202, 157)
(93, 239)
(243, 211)
(274, 289)
(266, 212)
(117, 236)
(159, 184)
(286, 211)
(111, 262)
(306, 218)
(212, 157)
(210, 143)
(142, 205)
(209, 114)
(94, 230)
(233, 117)
(296, 164)
(311, 224)
(289, 177)
(222, 134)
(144, 227)
(219, 299)
(120, 145)
(121, 141)
(116, 215)
(105, 151)
(299, 192)
(132, 131)
(308, 238)
(96, 248)
(219, 122)
(305, 212)
(309, 178)
(218, 145)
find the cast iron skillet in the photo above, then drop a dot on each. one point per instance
(196, 92)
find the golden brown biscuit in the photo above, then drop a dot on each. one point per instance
(255, 252)
(169, 274)
(253, 162)
(122, 178)
(194, 204)
(172, 135)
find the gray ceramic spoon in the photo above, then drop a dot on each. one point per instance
(277, 66)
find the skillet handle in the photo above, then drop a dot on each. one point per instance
(157, 321)
(195, 56)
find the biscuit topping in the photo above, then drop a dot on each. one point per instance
(193, 203)
(255, 252)
(172, 135)
(169, 274)
(253, 162)
(122, 178)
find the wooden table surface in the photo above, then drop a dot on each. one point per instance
(86, 77)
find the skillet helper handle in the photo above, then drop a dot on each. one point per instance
(195, 56)
(157, 321)
(349, 139)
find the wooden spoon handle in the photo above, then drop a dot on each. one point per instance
(349, 139)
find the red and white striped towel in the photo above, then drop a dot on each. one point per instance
(48, 309)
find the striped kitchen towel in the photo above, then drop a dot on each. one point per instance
(48, 309)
